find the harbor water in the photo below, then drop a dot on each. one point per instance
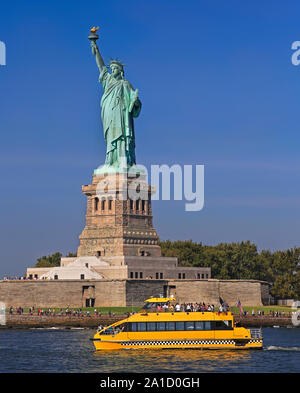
(70, 350)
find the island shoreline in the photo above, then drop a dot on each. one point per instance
(24, 321)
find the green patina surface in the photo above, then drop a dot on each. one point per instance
(120, 104)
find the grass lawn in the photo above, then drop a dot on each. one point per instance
(102, 310)
(265, 309)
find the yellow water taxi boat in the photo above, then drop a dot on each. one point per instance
(153, 328)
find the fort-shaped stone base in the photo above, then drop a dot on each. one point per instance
(109, 293)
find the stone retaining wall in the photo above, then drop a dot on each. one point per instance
(62, 293)
(249, 292)
(34, 321)
(126, 292)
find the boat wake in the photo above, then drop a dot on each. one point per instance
(46, 328)
(77, 328)
(276, 348)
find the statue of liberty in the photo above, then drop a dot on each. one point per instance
(119, 105)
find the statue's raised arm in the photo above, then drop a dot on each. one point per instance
(95, 50)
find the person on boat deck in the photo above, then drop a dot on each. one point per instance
(177, 307)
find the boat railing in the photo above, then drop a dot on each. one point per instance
(256, 333)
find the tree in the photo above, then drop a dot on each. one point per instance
(242, 261)
(49, 261)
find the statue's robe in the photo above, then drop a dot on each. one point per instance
(117, 119)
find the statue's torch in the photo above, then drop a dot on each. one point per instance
(93, 37)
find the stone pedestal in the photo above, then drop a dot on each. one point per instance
(118, 218)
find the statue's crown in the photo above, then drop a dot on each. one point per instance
(117, 62)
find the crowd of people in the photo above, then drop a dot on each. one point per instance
(201, 307)
(185, 307)
(188, 307)
(26, 278)
(271, 313)
(56, 312)
(191, 307)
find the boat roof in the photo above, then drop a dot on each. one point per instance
(160, 299)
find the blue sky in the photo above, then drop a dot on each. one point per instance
(218, 88)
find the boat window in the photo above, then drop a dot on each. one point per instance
(207, 325)
(170, 325)
(160, 326)
(124, 327)
(180, 325)
(142, 326)
(151, 326)
(223, 325)
(189, 325)
(199, 325)
(228, 323)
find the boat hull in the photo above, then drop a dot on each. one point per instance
(179, 344)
